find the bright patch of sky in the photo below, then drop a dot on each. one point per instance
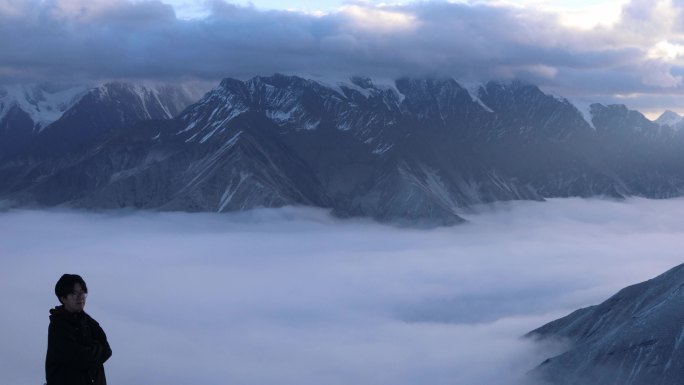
(667, 51)
(188, 9)
(583, 14)
(579, 13)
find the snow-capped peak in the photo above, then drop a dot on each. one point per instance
(474, 88)
(584, 108)
(669, 118)
(151, 100)
(44, 104)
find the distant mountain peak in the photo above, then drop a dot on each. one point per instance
(669, 118)
(412, 149)
(44, 104)
(362, 81)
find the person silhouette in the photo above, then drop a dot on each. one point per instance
(77, 346)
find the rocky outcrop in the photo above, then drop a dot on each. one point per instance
(636, 337)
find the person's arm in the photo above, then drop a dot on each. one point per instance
(63, 347)
(100, 336)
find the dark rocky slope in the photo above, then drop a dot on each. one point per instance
(636, 337)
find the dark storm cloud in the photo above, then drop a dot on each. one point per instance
(145, 39)
(105, 39)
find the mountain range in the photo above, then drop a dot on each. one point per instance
(413, 151)
(633, 338)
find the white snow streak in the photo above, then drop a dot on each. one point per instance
(44, 107)
(230, 191)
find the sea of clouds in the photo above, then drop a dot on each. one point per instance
(294, 296)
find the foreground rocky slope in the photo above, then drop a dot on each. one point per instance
(634, 338)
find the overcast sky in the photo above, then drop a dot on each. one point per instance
(608, 51)
(292, 297)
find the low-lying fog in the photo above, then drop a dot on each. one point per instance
(293, 296)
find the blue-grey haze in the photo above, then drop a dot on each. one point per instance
(294, 296)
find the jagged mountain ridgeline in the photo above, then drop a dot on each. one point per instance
(47, 122)
(413, 151)
(634, 338)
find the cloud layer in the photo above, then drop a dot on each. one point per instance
(638, 54)
(292, 296)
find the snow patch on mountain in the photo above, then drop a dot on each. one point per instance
(230, 191)
(429, 181)
(669, 118)
(386, 85)
(366, 92)
(383, 148)
(584, 108)
(474, 88)
(170, 100)
(364, 86)
(44, 104)
(280, 116)
(309, 125)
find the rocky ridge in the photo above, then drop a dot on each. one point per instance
(633, 338)
(416, 151)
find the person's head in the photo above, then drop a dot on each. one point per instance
(71, 290)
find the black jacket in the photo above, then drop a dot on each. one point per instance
(77, 349)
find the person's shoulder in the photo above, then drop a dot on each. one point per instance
(91, 319)
(60, 324)
(58, 315)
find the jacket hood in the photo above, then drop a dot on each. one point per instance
(58, 311)
(61, 312)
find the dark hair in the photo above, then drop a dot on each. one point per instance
(66, 283)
